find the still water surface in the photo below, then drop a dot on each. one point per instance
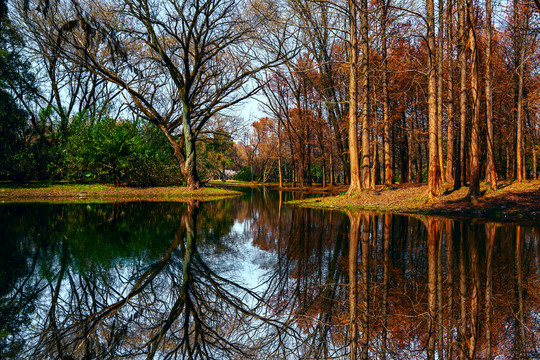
(253, 277)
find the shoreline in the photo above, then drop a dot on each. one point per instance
(512, 202)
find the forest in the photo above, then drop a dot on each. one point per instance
(364, 93)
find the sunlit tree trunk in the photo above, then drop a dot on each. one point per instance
(366, 162)
(450, 98)
(491, 174)
(474, 186)
(440, 75)
(375, 170)
(332, 178)
(520, 168)
(323, 173)
(534, 155)
(508, 172)
(434, 174)
(459, 179)
(386, 109)
(355, 184)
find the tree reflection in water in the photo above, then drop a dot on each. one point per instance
(166, 280)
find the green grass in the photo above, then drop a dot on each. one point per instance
(104, 192)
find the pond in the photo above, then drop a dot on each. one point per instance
(254, 277)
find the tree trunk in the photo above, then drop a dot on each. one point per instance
(366, 163)
(323, 174)
(190, 165)
(279, 156)
(434, 175)
(508, 172)
(459, 179)
(440, 76)
(474, 186)
(309, 178)
(187, 160)
(376, 172)
(491, 174)
(450, 98)
(412, 157)
(385, 99)
(534, 156)
(332, 178)
(355, 185)
(519, 121)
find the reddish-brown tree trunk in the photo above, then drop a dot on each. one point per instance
(366, 162)
(355, 184)
(474, 186)
(450, 98)
(491, 174)
(434, 174)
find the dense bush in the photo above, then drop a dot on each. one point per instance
(243, 175)
(118, 152)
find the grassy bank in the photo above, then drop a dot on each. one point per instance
(104, 193)
(512, 202)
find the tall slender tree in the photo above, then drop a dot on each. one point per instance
(474, 186)
(459, 179)
(450, 92)
(386, 108)
(355, 185)
(434, 175)
(366, 162)
(440, 76)
(491, 174)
